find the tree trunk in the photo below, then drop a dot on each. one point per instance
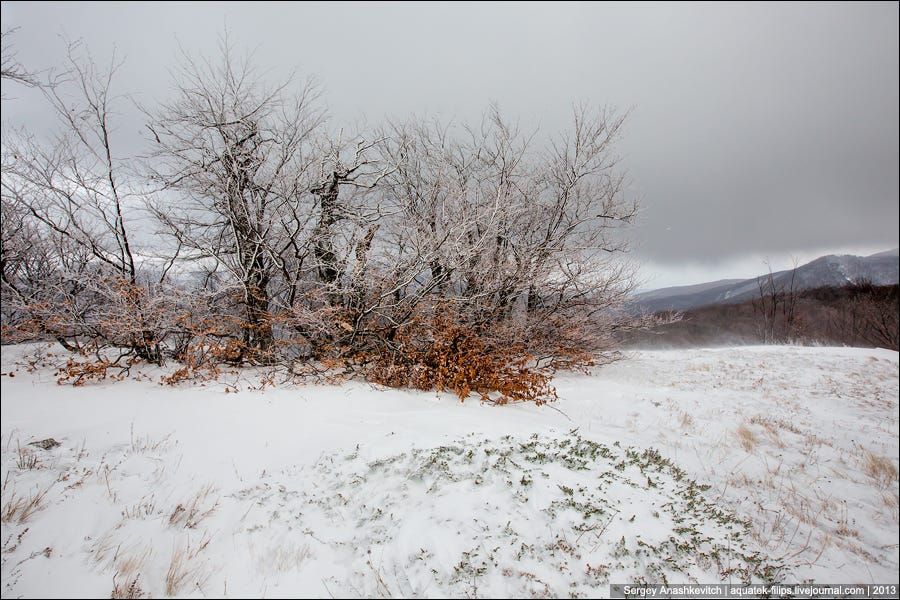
(328, 267)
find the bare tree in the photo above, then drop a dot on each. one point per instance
(869, 316)
(75, 192)
(238, 155)
(518, 238)
(343, 167)
(776, 306)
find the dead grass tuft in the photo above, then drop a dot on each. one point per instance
(145, 444)
(18, 509)
(891, 502)
(185, 568)
(127, 588)
(144, 508)
(193, 510)
(771, 428)
(129, 567)
(844, 528)
(880, 468)
(284, 558)
(747, 438)
(26, 460)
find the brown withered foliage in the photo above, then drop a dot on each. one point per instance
(440, 351)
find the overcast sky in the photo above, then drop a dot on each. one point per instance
(757, 132)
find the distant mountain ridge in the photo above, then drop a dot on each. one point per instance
(834, 270)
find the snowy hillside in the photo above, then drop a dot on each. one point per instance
(762, 463)
(831, 270)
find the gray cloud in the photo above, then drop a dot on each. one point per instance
(755, 129)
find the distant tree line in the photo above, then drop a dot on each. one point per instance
(861, 314)
(472, 257)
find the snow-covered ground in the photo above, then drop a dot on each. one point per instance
(764, 463)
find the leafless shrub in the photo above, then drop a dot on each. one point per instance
(295, 243)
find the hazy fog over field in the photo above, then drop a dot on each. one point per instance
(760, 131)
